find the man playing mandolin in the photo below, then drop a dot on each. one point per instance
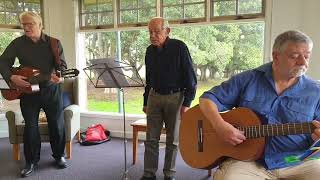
(35, 50)
(279, 92)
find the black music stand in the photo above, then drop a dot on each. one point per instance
(109, 73)
(3, 83)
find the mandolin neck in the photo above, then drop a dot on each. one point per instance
(277, 129)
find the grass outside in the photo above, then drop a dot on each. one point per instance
(99, 100)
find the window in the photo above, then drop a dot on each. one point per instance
(183, 9)
(237, 8)
(98, 13)
(136, 11)
(10, 10)
(104, 45)
(218, 50)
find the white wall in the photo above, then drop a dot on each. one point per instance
(311, 26)
(283, 15)
(59, 22)
(302, 15)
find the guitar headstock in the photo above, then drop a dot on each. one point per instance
(70, 73)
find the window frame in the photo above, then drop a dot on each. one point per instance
(17, 26)
(137, 24)
(159, 12)
(184, 20)
(105, 26)
(237, 16)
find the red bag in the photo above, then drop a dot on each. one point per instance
(96, 133)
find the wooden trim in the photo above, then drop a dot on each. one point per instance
(69, 149)
(237, 17)
(159, 7)
(16, 151)
(78, 136)
(8, 26)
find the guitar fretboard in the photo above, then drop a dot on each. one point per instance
(277, 129)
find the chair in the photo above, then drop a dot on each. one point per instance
(71, 118)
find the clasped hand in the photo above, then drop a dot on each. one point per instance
(56, 79)
(21, 81)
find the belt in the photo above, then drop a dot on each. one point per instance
(167, 91)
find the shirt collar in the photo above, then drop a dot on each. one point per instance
(267, 69)
(165, 44)
(43, 37)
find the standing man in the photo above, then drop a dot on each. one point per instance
(34, 50)
(170, 88)
(279, 92)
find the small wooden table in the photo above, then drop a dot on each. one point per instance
(141, 125)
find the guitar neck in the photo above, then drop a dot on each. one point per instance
(68, 73)
(277, 129)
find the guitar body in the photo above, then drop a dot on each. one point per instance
(12, 94)
(34, 77)
(209, 152)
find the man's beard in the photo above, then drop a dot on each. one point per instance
(298, 71)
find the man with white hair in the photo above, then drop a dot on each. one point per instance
(34, 50)
(170, 88)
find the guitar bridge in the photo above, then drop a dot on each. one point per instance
(200, 135)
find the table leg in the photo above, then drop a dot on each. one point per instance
(135, 144)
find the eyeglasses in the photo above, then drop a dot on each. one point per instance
(28, 24)
(156, 32)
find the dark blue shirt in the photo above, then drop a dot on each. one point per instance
(255, 89)
(170, 67)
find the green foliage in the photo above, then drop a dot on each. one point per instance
(10, 10)
(134, 105)
(6, 38)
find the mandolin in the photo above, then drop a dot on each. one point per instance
(34, 76)
(202, 148)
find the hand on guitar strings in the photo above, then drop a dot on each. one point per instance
(229, 134)
(316, 133)
(19, 81)
(183, 110)
(56, 78)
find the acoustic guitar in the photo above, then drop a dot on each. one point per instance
(34, 76)
(202, 148)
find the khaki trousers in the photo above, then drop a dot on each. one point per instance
(162, 109)
(240, 170)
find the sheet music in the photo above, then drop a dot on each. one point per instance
(110, 72)
(3, 83)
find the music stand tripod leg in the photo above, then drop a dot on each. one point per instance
(125, 173)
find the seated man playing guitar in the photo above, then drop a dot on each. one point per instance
(38, 51)
(278, 92)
